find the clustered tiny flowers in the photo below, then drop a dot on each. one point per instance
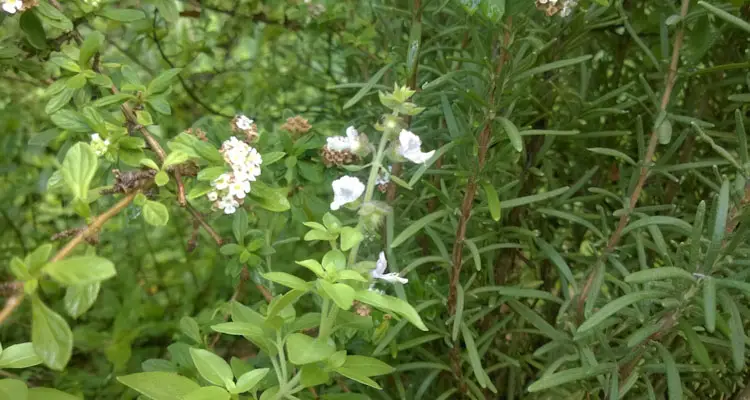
(552, 7)
(98, 145)
(14, 6)
(231, 188)
(243, 124)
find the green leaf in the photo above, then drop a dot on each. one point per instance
(493, 201)
(149, 163)
(271, 199)
(416, 226)
(558, 261)
(249, 380)
(350, 237)
(549, 381)
(168, 10)
(239, 226)
(313, 266)
(70, 120)
(393, 304)
(278, 304)
(161, 178)
(612, 153)
(160, 104)
(81, 270)
(674, 385)
(159, 385)
(538, 322)
(80, 298)
(367, 366)
(122, 14)
(163, 81)
(212, 367)
(720, 222)
(664, 132)
(357, 376)
(174, 158)
(367, 87)
(144, 118)
(656, 274)
(341, 293)
(118, 99)
(350, 275)
(39, 393)
(515, 137)
(681, 225)
(303, 349)
(616, 305)
(155, 213)
(272, 157)
(20, 355)
(287, 280)
(51, 336)
(89, 47)
(522, 201)
(59, 100)
(190, 328)
(334, 260)
(709, 303)
(78, 169)
(732, 19)
(13, 389)
(208, 393)
(210, 174)
(53, 16)
(551, 66)
(474, 358)
(737, 329)
(699, 351)
(33, 30)
(313, 376)
(238, 328)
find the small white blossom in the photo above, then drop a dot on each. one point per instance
(229, 204)
(568, 6)
(12, 6)
(239, 189)
(346, 190)
(212, 196)
(379, 271)
(98, 145)
(410, 147)
(244, 123)
(222, 182)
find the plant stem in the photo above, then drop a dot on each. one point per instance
(288, 387)
(645, 163)
(377, 162)
(282, 356)
(323, 313)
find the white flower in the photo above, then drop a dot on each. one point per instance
(222, 182)
(239, 189)
(346, 190)
(351, 142)
(253, 157)
(98, 145)
(229, 204)
(409, 146)
(212, 196)
(12, 6)
(568, 7)
(379, 271)
(244, 123)
(338, 143)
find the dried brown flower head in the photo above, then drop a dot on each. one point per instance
(296, 125)
(126, 182)
(338, 158)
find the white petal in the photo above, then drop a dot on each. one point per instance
(346, 190)
(9, 8)
(352, 133)
(418, 157)
(393, 278)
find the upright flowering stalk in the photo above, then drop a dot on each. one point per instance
(231, 188)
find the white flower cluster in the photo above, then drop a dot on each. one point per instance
(98, 145)
(565, 6)
(379, 272)
(231, 188)
(12, 6)
(410, 147)
(351, 142)
(243, 123)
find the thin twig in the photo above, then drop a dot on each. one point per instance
(198, 217)
(670, 80)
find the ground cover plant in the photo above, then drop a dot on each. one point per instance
(422, 199)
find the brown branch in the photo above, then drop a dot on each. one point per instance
(10, 305)
(198, 217)
(670, 80)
